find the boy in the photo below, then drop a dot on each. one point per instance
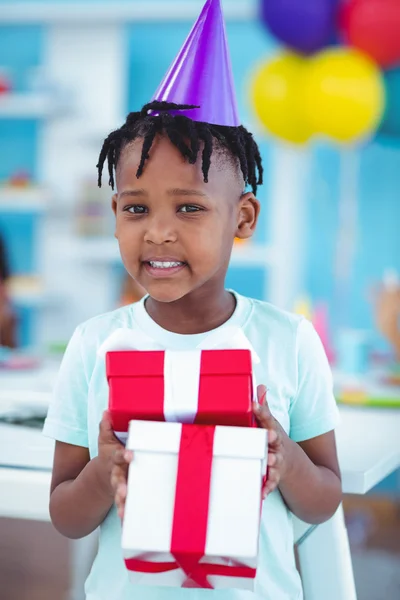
(181, 166)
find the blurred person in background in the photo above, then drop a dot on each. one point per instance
(8, 321)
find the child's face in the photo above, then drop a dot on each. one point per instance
(175, 231)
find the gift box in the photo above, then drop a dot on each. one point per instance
(208, 387)
(193, 506)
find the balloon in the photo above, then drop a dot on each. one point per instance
(391, 119)
(374, 27)
(276, 95)
(304, 25)
(344, 94)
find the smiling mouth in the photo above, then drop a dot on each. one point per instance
(162, 268)
(165, 264)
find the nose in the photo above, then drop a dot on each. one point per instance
(160, 231)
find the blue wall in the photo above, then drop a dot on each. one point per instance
(151, 48)
(21, 49)
(379, 228)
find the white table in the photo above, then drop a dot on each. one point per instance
(28, 392)
(26, 458)
(368, 443)
(369, 450)
(25, 455)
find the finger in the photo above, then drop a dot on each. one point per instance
(106, 419)
(261, 394)
(120, 499)
(268, 489)
(275, 459)
(119, 471)
(272, 437)
(271, 485)
(273, 478)
(263, 416)
(122, 456)
(128, 455)
(105, 428)
(119, 457)
(121, 493)
(118, 477)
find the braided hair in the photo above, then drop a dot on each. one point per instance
(186, 135)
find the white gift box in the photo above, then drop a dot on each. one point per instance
(158, 484)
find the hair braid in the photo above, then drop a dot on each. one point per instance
(147, 143)
(184, 133)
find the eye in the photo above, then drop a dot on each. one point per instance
(135, 209)
(189, 208)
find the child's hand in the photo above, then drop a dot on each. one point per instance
(119, 478)
(109, 447)
(276, 455)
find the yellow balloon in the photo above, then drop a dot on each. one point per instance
(344, 94)
(276, 94)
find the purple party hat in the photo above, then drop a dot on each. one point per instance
(201, 74)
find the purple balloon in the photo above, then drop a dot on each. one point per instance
(304, 25)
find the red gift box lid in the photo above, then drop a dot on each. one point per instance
(150, 363)
(136, 380)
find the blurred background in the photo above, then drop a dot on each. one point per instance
(318, 82)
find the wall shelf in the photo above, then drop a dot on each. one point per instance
(28, 105)
(25, 200)
(28, 291)
(34, 299)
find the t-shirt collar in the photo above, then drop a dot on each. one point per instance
(178, 341)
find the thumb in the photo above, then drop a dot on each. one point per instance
(106, 430)
(262, 395)
(261, 409)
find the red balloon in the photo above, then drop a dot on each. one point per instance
(373, 26)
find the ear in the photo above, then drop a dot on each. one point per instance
(114, 203)
(248, 212)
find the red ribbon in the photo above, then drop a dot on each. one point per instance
(189, 530)
(203, 570)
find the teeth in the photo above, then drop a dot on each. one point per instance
(158, 264)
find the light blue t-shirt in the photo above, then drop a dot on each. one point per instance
(295, 370)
